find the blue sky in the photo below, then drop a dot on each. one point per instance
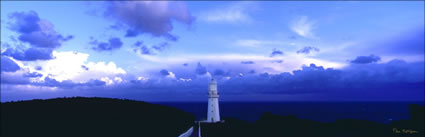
(258, 51)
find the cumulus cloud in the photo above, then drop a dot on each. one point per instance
(8, 65)
(366, 59)
(164, 72)
(39, 33)
(112, 44)
(303, 27)
(307, 50)
(276, 52)
(150, 17)
(30, 54)
(69, 66)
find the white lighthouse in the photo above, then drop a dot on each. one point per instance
(213, 114)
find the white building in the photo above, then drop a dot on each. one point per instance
(213, 114)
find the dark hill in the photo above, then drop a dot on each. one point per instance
(91, 117)
(272, 125)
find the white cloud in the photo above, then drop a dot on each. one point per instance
(74, 66)
(236, 13)
(291, 61)
(303, 27)
(256, 43)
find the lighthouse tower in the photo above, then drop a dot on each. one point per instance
(213, 114)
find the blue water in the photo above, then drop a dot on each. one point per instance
(383, 112)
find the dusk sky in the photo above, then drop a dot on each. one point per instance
(257, 51)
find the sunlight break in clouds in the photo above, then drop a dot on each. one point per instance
(74, 66)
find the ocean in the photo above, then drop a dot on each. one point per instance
(383, 112)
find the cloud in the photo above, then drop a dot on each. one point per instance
(247, 62)
(150, 17)
(8, 65)
(152, 50)
(200, 70)
(69, 66)
(30, 54)
(142, 49)
(307, 50)
(256, 43)
(397, 79)
(303, 27)
(276, 52)
(33, 74)
(112, 44)
(39, 33)
(161, 46)
(164, 72)
(35, 31)
(366, 59)
(389, 78)
(236, 13)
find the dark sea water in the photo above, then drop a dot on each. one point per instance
(383, 112)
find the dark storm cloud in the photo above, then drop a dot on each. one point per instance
(37, 32)
(366, 59)
(154, 18)
(307, 50)
(8, 65)
(200, 70)
(276, 52)
(112, 44)
(164, 72)
(247, 62)
(30, 54)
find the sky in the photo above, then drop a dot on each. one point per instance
(170, 50)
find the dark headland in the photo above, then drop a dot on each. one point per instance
(91, 117)
(103, 117)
